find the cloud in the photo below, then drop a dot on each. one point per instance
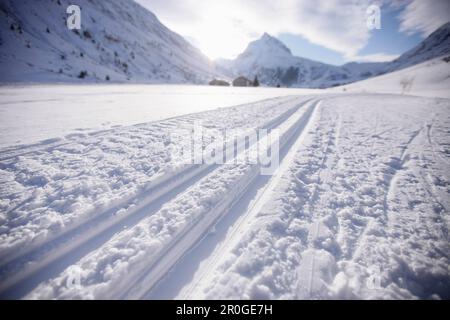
(224, 28)
(423, 17)
(333, 24)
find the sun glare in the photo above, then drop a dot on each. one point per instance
(221, 35)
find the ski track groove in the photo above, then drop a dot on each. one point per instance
(416, 170)
(318, 203)
(236, 231)
(238, 228)
(82, 235)
(88, 238)
(398, 167)
(48, 145)
(360, 241)
(315, 197)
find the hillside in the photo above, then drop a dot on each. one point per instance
(119, 41)
(274, 64)
(430, 78)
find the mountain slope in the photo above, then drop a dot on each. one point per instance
(435, 45)
(430, 79)
(119, 40)
(273, 63)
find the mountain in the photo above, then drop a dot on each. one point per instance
(435, 45)
(273, 63)
(119, 41)
(430, 79)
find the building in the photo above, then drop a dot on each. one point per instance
(218, 82)
(242, 82)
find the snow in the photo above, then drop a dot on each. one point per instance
(274, 64)
(94, 204)
(154, 240)
(430, 78)
(97, 202)
(358, 207)
(82, 109)
(435, 45)
(361, 213)
(74, 178)
(122, 42)
(104, 176)
(119, 39)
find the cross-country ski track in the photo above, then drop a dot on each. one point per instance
(357, 208)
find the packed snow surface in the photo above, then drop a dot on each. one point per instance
(78, 109)
(357, 208)
(362, 211)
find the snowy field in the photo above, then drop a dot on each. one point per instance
(427, 79)
(358, 207)
(25, 110)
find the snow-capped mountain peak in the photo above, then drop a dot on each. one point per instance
(269, 44)
(264, 48)
(274, 64)
(265, 52)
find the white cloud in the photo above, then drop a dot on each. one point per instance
(424, 17)
(224, 28)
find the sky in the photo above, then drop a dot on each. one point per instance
(330, 31)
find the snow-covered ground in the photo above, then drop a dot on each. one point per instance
(358, 207)
(360, 211)
(29, 114)
(429, 79)
(98, 201)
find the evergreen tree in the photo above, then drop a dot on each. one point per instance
(256, 82)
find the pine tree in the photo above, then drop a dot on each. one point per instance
(256, 82)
